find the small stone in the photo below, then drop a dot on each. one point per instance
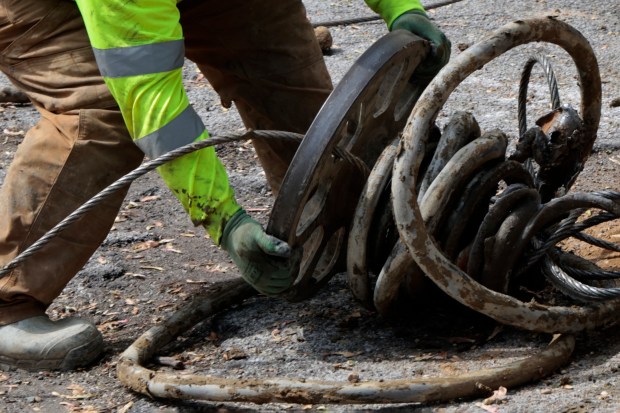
(462, 46)
(324, 37)
(545, 391)
(354, 378)
(235, 353)
(13, 95)
(615, 103)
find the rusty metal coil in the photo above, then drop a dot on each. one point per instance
(410, 220)
(133, 374)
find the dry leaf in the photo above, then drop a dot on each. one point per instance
(76, 388)
(234, 353)
(497, 397)
(156, 224)
(13, 133)
(341, 366)
(82, 396)
(150, 267)
(112, 325)
(125, 408)
(170, 362)
(145, 245)
(170, 248)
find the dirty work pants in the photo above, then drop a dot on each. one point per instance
(259, 54)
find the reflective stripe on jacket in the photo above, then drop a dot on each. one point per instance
(139, 49)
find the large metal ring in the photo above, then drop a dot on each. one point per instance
(446, 275)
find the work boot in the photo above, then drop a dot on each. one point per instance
(39, 343)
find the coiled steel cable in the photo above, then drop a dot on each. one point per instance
(568, 227)
(149, 166)
(523, 85)
(599, 274)
(572, 287)
(561, 275)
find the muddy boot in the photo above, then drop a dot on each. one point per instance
(38, 343)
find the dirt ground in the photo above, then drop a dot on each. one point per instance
(154, 260)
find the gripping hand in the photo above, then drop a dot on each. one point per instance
(419, 24)
(266, 263)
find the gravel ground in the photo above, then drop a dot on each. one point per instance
(131, 284)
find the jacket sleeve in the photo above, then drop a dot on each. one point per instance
(389, 10)
(139, 49)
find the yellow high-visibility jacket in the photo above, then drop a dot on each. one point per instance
(139, 49)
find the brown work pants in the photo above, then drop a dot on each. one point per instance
(259, 54)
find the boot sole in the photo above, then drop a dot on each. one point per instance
(78, 357)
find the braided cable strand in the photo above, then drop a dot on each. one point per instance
(589, 274)
(573, 288)
(151, 165)
(366, 19)
(561, 275)
(525, 79)
(111, 189)
(568, 227)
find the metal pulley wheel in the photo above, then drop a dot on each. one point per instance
(519, 203)
(365, 112)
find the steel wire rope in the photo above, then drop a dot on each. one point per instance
(366, 19)
(595, 275)
(546, 247)
(149, 166)
(523, 86)
(558, 275)
(575, 230)
(572, 287)
(561, 274)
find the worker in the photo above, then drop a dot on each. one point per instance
(106, 78)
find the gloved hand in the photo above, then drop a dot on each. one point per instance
(418, 23)
(266, 263)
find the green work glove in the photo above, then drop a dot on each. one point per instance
(419, 24)
(266, 263)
